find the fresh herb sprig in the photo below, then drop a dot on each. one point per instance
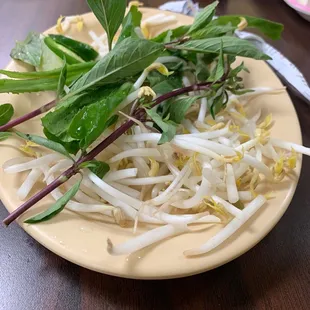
(206, 49)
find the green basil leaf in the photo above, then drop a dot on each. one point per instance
(168, 128)
(54, 146)
(57, 207)
(270, 29)
(164, 84)
(204, 17)
(212, 31)
(72, 70)
(61, 81)
(179, 107)
(171, 34)
(131, 21)
(99, 168)
(128, 58)
(219, 69)
(72, 147)
(217, 102)
(83, 50)
(110, 14)
(5, 135)
(6, 113)
(234, 72)
(93, 119)
(28, 51)
(231, 46)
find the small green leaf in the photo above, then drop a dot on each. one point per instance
(204, 17)
(168, 128)
(54, 146)
(57, 207)
(234, 72)
(231, 46)
(83, 50)
(28, 51)
(164, 84)
(212, 31)
(219, 69)
(128, 58)
(110, 14)
(93, 119)
(6, 113)
(270, 29)
(179, 107)
(131, 21)
(5, 135)
(99, 168)
(62, 81)
(171, 34)
(73, 70)
(217, 102)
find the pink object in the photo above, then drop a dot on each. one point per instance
(302, 7)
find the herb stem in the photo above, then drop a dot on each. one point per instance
(28, 116)
(140, 113)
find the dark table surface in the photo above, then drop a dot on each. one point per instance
(275, 274)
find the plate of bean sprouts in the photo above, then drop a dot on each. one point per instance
(164, 210)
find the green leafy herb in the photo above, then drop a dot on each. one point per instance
(110, 14)
(179, 107)
(203, 18)
(93, 119)
(171, 34)
(72, 70)
(231, 46)
(83, 50)
(164, 84)
(219, 69)
(168, 127)
(62, 52)
(217, 102)
(6, 113)
(62, 81)
(28, 51)
(131, 21)
(57, 207)
(99, 168)
(30, 85)
(212, 31)
(270, 29)
(5, 135)
(54, 146)
(128, 58)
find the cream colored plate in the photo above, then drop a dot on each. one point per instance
(82, 239)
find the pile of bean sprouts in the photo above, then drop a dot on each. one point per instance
(209, 173)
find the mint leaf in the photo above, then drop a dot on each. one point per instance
(99, 168)
(179, 107)
(128, 58)
(231, 46)
(110, 14)
(93, 119)
(131, 21)
(203, 18)
(54, 146)
(168, 128)
(57, 207)
(6, 113)
(5, 135)
(270, 29)
(28, 51)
